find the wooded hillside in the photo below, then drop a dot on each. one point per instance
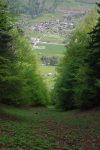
(38, 7)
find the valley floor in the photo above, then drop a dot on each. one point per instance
(49, 129)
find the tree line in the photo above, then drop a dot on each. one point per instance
(50, 61)
(34, 8)
(78, 82)
(20, 80)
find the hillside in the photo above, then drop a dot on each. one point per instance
(36, 8)
(48, 129)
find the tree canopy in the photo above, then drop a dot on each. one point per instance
(78, 82)
(20, 80)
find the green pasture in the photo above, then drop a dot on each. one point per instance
(47, 17)
(51, 50)
(47, 69)
(48, 129)
(77, 4)
(47, 37)
(49, 80)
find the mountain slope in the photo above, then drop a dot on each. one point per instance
(38, 7)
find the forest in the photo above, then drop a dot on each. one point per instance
(33, 8)
(33, 116)
(78, 82)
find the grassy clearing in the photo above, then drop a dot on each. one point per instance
(52, 50)
(53, 38)
(47, 17)
(49, 80)
(47, 37)
(48, 129)
(78, 3)
(47, 69)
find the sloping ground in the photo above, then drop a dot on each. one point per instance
(77, 3)
(51, 5)
(48, 129)
(87, 1)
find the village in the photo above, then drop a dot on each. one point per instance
(54, 27)
(58, 27)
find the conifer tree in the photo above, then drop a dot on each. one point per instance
(94, 45)
(75, 86)
(87, 91)
(8, 78)
(94, 60)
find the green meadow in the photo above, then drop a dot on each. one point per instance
(51, 50)
(48, 129)
(47, 17)
(49, 80)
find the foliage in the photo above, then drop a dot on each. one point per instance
(33, 89)
(87, 91)
(36, 8)
(93, 61)
(49, 61)
(75, 85)
(8, 78)
(20, 81)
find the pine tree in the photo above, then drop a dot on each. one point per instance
(87, 92)
(9, 82)
(94, 60)
(75, 86)
(5, 27)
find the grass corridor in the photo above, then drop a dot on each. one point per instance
(48, 129)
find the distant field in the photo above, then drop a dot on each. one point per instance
(49, 80)
(77, 3)
(53, 38)
(47, 37)
(47, 17)
(52, 50)
(47, 69)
